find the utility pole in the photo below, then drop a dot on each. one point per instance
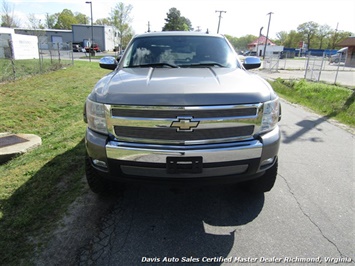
(219, 20)
(91, 47)
(267, 33)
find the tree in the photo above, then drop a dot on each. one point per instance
(34, 22)
(337, 36)
(103, 21)
(241, 44)
(293, 39)
(175, 22)
(233, 40)
(51, 20)
(8, 19)
(120, 18)
(323, 32)
(281, 37)
(65, 20)
(308, 30)
(81, 18)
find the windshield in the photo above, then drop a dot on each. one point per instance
(180, 51)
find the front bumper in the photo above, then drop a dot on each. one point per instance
(240, 160)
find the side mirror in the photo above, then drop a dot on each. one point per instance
(251, 62)
(108, 62)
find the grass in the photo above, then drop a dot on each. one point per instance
(21, 68)
(328, 100)
(97, 56)
(37, 187)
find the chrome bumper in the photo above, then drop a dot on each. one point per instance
(152, 160)
(210, 153)
(243, 158)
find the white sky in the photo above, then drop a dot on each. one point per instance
(243, 16)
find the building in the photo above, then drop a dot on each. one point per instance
(104, 36)
(350, 43)
(46, 36)
(258, 45)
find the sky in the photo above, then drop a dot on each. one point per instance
(242, 17)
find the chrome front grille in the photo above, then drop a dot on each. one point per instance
(186, 125)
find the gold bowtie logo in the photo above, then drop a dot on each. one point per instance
(184, 124)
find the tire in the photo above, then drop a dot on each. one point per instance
(96, 182)
(264, 183)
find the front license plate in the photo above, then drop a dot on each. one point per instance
(180, 165)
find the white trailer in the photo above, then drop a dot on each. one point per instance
(23, 46)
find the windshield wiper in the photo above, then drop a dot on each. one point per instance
(209, 64)
(156, 65)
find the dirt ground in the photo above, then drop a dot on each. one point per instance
(74, 230)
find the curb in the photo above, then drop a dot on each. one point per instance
(12, 145)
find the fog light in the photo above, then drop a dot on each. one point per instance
(99, 163)
(267, 162)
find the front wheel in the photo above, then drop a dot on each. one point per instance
(264, 183)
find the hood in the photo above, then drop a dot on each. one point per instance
(181, 87)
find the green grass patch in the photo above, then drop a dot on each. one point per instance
(97, 56)
(328, 100)
(37, 187)
(17, 69)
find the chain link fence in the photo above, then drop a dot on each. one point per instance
(271, 63)
(313, 68)
(316, 68)
(51, 56)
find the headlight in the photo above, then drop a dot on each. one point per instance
(271, 115)
(95, 114)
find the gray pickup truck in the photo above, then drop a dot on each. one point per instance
(181, 107)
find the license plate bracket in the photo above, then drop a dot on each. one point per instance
(181, 165)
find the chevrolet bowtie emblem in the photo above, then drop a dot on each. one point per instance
(184, 124)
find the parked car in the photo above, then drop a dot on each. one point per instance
(250, 53)
(180, 107)
(340, 56)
